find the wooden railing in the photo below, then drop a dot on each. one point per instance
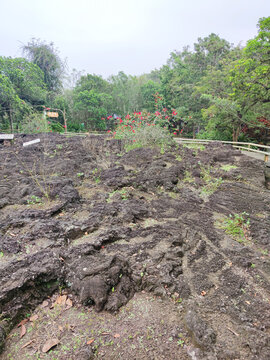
(238, 145)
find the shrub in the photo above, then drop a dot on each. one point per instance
(35, 123)
(143, 129)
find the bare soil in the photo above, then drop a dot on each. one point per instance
(119, 255)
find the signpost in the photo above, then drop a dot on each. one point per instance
(52, 114)
(6, 136)
(55, 114)
(31, 142)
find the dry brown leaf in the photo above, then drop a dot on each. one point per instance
(33, 318)
(105, 333)
(69, 303)
(28, 343)
(117, 335)
(90, 341)
(24, 321)
(23, 331)
(61, 214)
(60, 328)
(62, 299)
(44, 304)
(203, 293)
(49, 344)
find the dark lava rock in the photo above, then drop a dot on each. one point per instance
(203, 334)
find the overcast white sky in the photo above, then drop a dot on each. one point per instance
(135, 36)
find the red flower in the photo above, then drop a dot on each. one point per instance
(175, 133)
(120, 121)
(109, 131)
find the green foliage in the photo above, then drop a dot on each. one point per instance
(92, 101)
(228, 167)
(237, 226)
(213, 90)
(46, 57)
(143, 129)
(211, 183)
(34, 200)
(250, 75)
(124, 193)
(57, 127)
(35, 123)
(21, 86)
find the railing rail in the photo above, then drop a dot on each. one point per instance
(246, 146)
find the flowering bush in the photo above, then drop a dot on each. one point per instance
(144, 129)
(35, 123)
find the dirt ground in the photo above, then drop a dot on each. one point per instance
(146, 254)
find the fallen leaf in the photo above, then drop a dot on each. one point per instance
(61, 214)
(105, 333)
(90, 341)
(69, 303)
(86, 233)
(28, 343)
(33, 317)
(60, 328)
(203, 293)
(44, 304)
(24, 321)
(23, 331)
(248, 302)
(49, 344)
(117, 335)
(60, 300)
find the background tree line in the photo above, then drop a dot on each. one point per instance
(215, 90)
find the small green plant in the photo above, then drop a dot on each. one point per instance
(195, 147)
(180, 342)
(1, 254)
(34, 200)
(211, 183)
(123, 192)
(188, 177)
(211, 186)
(80, 174)
(237, 226)
(252, 266)
(228, 167)
(96, 175)
(264, 252)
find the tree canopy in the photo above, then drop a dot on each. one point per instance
(214, 89)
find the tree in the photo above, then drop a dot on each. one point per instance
(250, 76)
(92, 101)
(46, 57)
(21, 88)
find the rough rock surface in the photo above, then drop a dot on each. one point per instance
(118, 223)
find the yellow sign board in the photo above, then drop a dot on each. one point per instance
(52, 114)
